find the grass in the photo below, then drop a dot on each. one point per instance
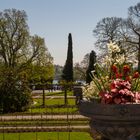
(58, 103)
(46, 136)
(69, 93)
(54, 93)
(53, 110)
(52, 101)
(49, 102)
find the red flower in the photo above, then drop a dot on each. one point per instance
(112, 86)
(118, 75)
(128, 78)
(102, 93)
(114, 69)
(136, 75)
(126, 69)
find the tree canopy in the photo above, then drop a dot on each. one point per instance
(91, 67)
(19, 53)
(68, 68)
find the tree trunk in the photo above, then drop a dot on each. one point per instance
(65, 96)
(43, 96)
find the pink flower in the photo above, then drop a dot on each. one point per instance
(114, 90)
(105, 97)
(117, 100)
(137, 97)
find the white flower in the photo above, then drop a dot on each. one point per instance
(113, 48)
(90, 91)
(120, 59)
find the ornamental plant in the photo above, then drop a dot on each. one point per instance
(115, 81)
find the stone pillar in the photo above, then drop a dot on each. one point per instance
(78, 93)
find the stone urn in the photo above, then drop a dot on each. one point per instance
(114, 122)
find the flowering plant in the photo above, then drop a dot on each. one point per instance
(115, 81)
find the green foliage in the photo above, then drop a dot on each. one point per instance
(59, 101)
(58, 72)
(41, 70)
(68, 68)
(14, 92)
(92, 60)
(41, 74)
(14, 37)
(18, 53)
(80, 68)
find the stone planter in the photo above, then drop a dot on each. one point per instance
(115, 122)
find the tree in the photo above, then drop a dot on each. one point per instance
(14, 35)
(131, 31)
(108, 29)
(91, 67)
(18, 50)
(58, 72)
(80, 68)
(14, 92)
(41, 69)
(125, 32)
(43, 57)
(68, 68)
(67, 73)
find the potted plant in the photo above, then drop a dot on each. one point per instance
(112, 98)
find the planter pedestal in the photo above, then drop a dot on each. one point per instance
(115, 122)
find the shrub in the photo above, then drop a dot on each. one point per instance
(14, 92)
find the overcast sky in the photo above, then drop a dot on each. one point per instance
(55, 19)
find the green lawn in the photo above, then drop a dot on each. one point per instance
(51, 101)
(54, 93)
(61, 93)
(53, 110)
(46, 136)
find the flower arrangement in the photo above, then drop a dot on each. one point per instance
(115, 81)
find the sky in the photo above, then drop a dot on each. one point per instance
(55, 19)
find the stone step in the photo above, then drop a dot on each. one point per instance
(44, 129)
(40, 117)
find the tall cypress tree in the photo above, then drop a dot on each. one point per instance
(68, 68)
(91, 67)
